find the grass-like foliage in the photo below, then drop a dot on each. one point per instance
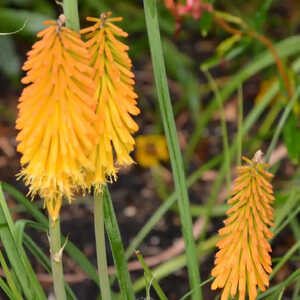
(191, 86)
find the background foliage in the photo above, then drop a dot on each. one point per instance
(241, 71)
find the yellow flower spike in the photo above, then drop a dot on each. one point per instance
(243, 261)
(116, 98)
(151, 149)
(56, 115)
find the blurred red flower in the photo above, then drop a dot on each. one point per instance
(193, 8)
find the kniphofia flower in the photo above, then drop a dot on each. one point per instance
(151, 149)
(56, 115)
(115, 95)
(243, 261)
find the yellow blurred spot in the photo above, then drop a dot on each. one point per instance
(151, 149)
(265, 87)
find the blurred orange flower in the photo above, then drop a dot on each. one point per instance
(243, 260)
(115, 95)
(56, 115)
(151, 149)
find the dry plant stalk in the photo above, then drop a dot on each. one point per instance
(57, 115)
(243, 261)
(115, 97)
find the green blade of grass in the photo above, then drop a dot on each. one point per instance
(35, 250)
(294, 276)
(70, 248)
(281, 123)
(112, 229)
(21, 237)
(216, 91)
(281, 294)
(180, 67)
(286, 222)
(150, 277)
(14, 253)
(29, 206)
(239, 137)
(6, 290)
(289, 205)
(34, 282)
(295, 226)
(176, 263)
(284, 259)
(285, 48)
(168, 203)
(12, 289)
(173, 145)
(202, 284)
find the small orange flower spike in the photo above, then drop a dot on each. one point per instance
(243, 260)
(56, 115)
(115, 95)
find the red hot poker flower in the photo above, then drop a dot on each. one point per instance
(56, 115)
(243, 261)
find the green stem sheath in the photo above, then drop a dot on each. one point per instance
(100, 246)
(56, 259)
(71, 12)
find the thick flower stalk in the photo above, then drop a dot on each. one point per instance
(56, 115)
(243, 261)
(116, 98)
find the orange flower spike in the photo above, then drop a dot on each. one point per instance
(115, 95)
(243, 261)
(56, 115)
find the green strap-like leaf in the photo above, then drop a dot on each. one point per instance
(117, 248)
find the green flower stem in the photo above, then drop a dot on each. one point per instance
(100, 246)
(71, 12)
(56, 259)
